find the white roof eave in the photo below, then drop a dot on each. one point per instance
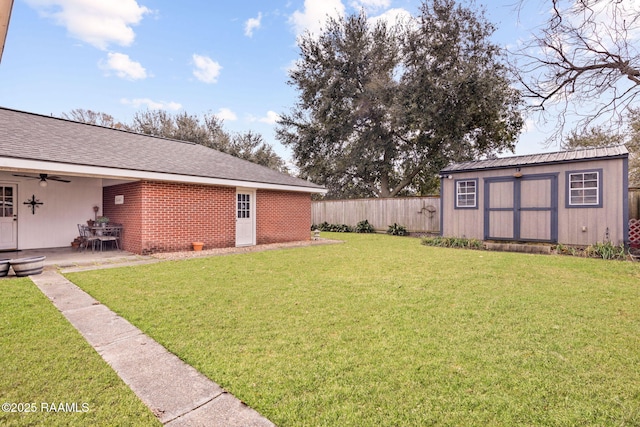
(40, 166)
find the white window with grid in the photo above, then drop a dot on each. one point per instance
(244, 205)
(584, 188)
(466, 193)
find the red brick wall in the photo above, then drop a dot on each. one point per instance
(128, 214)
(282, 216)
(168, 217)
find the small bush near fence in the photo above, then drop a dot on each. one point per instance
(397, 230)
(336, 228)
(453, 242)
(363, 227)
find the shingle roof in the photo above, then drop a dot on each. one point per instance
(617, 151)
(35, 137)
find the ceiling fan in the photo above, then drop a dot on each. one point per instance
(43, 178)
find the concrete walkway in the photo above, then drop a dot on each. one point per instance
(176, 393)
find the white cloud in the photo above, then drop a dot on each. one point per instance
(315, 15)
(252, 24)
(226, 114)
(98, 23)
(207, 70)
(123, 66)
(371, 4)
(393, 17)
(151, 104)
(271, 118)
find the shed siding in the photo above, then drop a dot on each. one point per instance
(467, 223)
(599, 224)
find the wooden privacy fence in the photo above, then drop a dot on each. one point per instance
(417, 214)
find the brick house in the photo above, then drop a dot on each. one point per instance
(167, 194)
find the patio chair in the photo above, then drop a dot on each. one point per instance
(86, 237)
(110, 235)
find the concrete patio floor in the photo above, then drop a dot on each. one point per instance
(66, 257)
(69, 259)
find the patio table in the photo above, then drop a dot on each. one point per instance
(108, 233)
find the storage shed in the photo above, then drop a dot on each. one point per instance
(574, 197)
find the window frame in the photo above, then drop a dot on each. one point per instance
(456, 193)
(243, 207)
(568, 189)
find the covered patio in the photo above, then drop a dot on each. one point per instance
(68, 258)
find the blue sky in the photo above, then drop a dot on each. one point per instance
(227, 58)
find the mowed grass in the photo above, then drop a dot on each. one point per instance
(382, 331)
(49, 375)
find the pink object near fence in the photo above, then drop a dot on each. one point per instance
(634, 233)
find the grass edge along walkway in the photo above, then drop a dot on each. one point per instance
(174, 391)
(50, 375)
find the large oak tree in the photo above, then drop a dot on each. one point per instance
(382, 108)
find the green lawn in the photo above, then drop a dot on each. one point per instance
(49, 370)
(382, 331)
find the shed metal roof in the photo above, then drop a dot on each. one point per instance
(581, 155)
(36, 137)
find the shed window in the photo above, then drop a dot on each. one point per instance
(466, 193)
(585, 188)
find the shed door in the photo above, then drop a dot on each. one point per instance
(523, 208)
(245, 217)
(499, 209)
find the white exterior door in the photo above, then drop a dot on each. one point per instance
(245, 217)
(8, 217)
